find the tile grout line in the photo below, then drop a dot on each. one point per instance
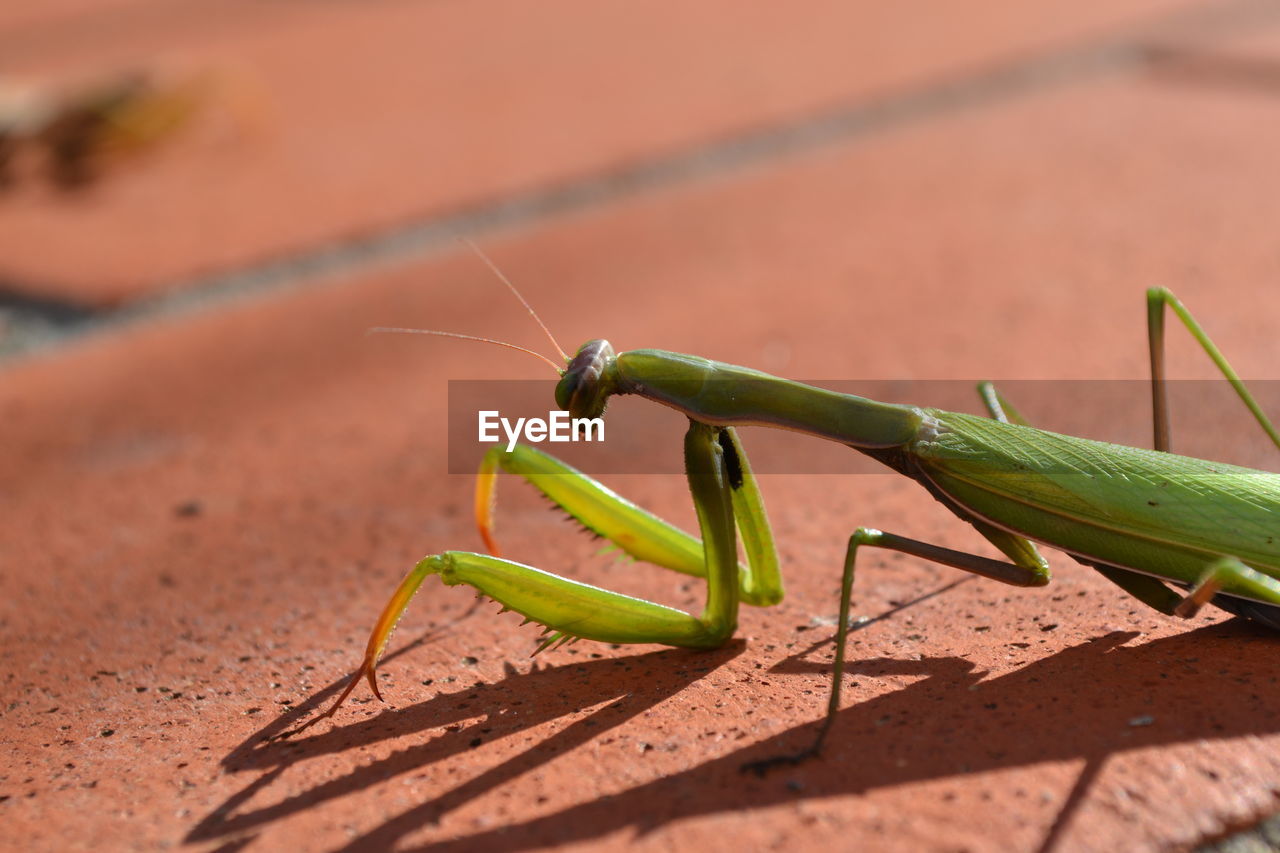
(50, 323)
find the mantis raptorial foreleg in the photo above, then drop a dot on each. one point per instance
(725, 496)
(637, 532)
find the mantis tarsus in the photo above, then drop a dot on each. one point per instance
(1145, 519)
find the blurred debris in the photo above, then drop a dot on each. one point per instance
(74, 137)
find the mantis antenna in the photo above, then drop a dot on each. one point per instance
(399, 331)
(502, 278)
(512, 287)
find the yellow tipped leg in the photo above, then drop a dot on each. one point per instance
(720, 483)
(486, 483)
(636, 531)
(378, 639)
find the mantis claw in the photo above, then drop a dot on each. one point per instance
(367, 671)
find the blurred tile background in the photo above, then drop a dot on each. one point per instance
(211, 479)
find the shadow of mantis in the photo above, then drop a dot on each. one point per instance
(520, 701)
(951, 722)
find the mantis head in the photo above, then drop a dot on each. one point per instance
(588, 381)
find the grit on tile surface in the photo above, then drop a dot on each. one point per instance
(200, 518)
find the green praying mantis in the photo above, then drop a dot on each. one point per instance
(1172, 531)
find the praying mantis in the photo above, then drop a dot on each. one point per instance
(1172, 531)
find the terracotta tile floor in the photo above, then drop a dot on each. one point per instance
(211, 479)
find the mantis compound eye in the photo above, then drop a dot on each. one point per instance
(587, 381)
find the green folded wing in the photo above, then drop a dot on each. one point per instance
(1154, 512)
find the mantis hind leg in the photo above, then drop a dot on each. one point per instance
(1146, 589)
(1236, 588)
(1158, 298)
(1226, 583)
(1028, 571)
(1227, 571)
